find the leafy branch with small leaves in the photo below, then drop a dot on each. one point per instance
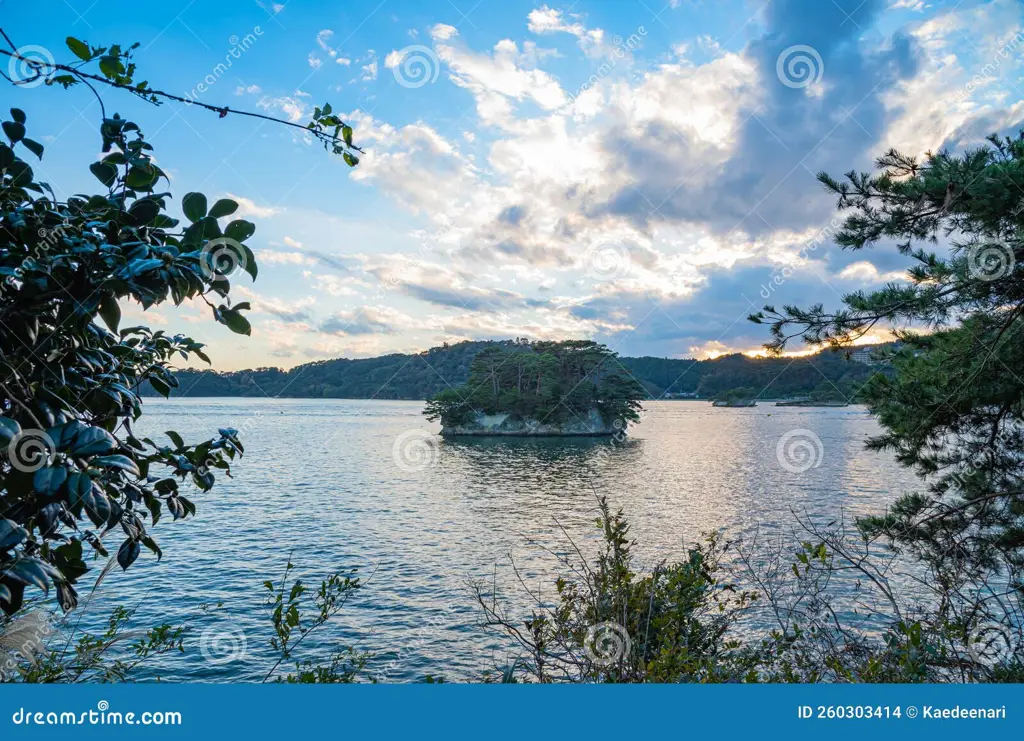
(72, 469)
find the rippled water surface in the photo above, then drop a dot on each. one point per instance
(321, 480)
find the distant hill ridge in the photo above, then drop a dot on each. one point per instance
(421, 375)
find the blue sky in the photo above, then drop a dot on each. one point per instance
(641, 173)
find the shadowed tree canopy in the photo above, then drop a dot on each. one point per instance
(74, 476)
(953, 410)
(551, 382)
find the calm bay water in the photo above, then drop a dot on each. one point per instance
(369, 484)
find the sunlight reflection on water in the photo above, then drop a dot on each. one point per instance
(320, 479)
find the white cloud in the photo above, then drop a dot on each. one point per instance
(270, 257)
(918, 6)
(443, 32)
(545, 20)
(322, 39)
(291, 106)
(248, 207)
(866, 272)
(497, 78)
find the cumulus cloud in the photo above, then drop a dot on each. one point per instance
(367, 320)
(655, 206)
(247, 207)
(545, 20)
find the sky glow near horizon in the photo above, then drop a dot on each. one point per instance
(638, 173)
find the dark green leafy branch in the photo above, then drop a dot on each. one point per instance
(954, 408)
(287, 600)
(117, 69)
(72, 470)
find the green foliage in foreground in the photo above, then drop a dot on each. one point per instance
(72, 470)
(550, 382)
(695, 621)
(954, 409)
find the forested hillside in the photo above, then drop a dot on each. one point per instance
(424, 374)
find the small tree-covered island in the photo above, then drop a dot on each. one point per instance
(556, 389)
